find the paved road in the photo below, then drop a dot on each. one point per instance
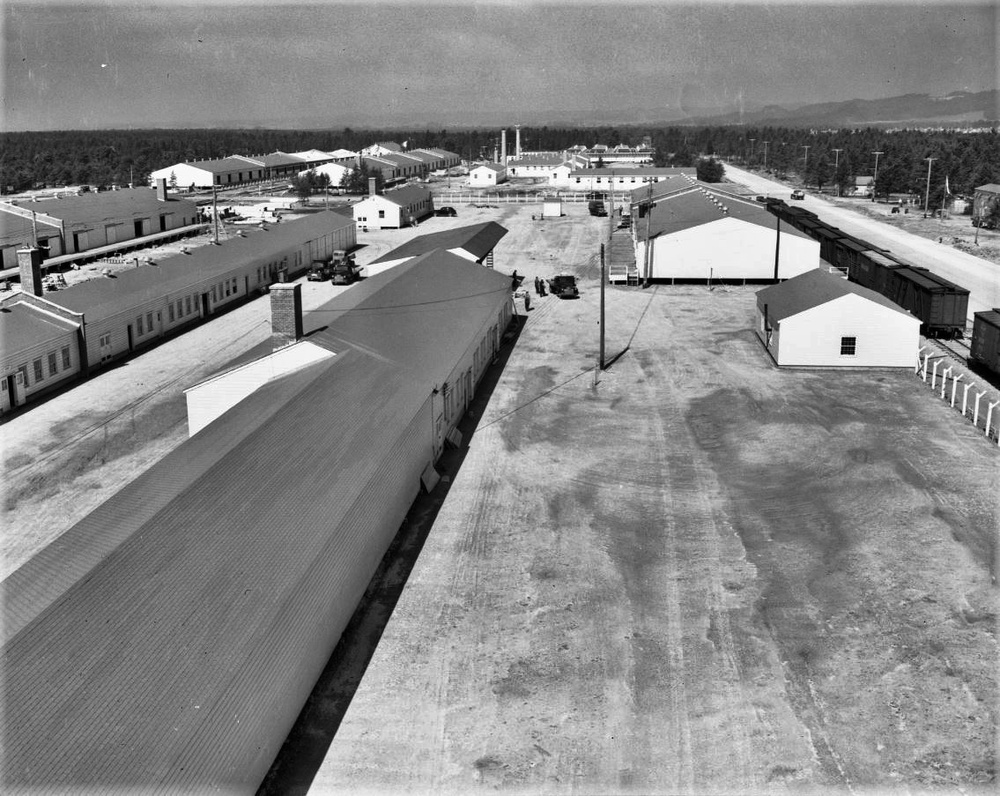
(981, 277)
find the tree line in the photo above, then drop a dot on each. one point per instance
(823, 158)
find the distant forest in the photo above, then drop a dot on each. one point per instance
(43, 159)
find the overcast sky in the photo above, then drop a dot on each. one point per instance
(146, 63)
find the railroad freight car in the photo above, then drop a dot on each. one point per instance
(871, 269)
(940, 305)
(985, 347)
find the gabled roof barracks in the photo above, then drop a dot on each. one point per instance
(693, 206)
(406, 195)
(102, 298)
(172, 636)
(477, 239)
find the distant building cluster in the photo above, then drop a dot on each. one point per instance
(391, 159)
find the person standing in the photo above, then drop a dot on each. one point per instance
(527, 301)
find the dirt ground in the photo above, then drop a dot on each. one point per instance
(702, 575)
(699, 575)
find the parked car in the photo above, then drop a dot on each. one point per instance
(446, 211)
(797, 194)
(564, 286)
(344, 270)
(319, 271)
(597, 208)
(760, 198)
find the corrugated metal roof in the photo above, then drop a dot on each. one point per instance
(172, 635)
(812, 289)
(101, 298)
(22, 325)
(96, 208)
(694, 207)
(477, 239)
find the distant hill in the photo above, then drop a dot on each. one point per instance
(906, 110)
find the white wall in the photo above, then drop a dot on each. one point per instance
(729, 249)
(366, 213)
(885, 338)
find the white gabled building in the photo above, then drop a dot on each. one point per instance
(697, 235)
(822, 320)
(233, 170)
(394, 209)
(487, 175)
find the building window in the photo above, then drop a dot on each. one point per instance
(227, 287)
(149, 321)
(23, 370)
(105, 341)
(37, 367)
(170, 312)
(65, 358)
(180, 308)
(138, 325)
(848, 346)
(213, 293)
(53, 365)
(187, 304)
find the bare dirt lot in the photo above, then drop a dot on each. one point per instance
(701, 575)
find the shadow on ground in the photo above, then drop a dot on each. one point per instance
(306, 746)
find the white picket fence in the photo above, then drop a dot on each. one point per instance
(957, 388)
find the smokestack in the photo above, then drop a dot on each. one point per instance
(503, 146)
(161, 189)
(517, 141)
(371, 186)
(29, 263)
(286, 314)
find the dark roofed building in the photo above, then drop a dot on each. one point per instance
(821, 320)
(79, 223)
(475, 243)
(173, 635)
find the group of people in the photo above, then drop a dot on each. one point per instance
(539, 288)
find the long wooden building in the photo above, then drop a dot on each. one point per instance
(168, 641)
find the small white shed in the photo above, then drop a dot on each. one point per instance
(487, 175)
(821, 320)
(552, 207)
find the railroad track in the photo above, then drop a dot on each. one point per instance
(958, 349)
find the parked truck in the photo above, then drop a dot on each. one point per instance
(564, 286)
(344, 270)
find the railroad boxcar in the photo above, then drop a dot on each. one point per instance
(828, 237)
(985, 346)
(940, 305)
(871, 269)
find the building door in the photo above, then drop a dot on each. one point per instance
(163, 223)
(204, 305)
(11, 390)
(105, 347)
(111, 231)
(137, 228)
(130, 344)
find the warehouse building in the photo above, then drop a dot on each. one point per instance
(174, 634)
(76, 224)
(393, 209)
(697, 235)
(138, 308)
(819, 319)
(234, 170)
(618, 178)
(474, 243)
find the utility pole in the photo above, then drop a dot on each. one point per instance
(751, 149)
(215, 216)
(765, 143)
(805, 160)
(875, 178)
(646, 267)
(836, 168)
(927, 194)
(600, 360)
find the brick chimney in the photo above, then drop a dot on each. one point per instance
(29, 263)
(286, 314)
(371, 186)
(161, 189)
(503, 146)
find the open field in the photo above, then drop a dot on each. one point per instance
(701, 575)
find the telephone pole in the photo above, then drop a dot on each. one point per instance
(751, 149)
(875, 178)
(805, 160)
(765, 143)
(927, 194)
(604, 278)
(836, 168)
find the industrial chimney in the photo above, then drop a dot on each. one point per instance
(503, 146)
(286, 314)
(371, 186)
(517, 141)
(29, 263)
